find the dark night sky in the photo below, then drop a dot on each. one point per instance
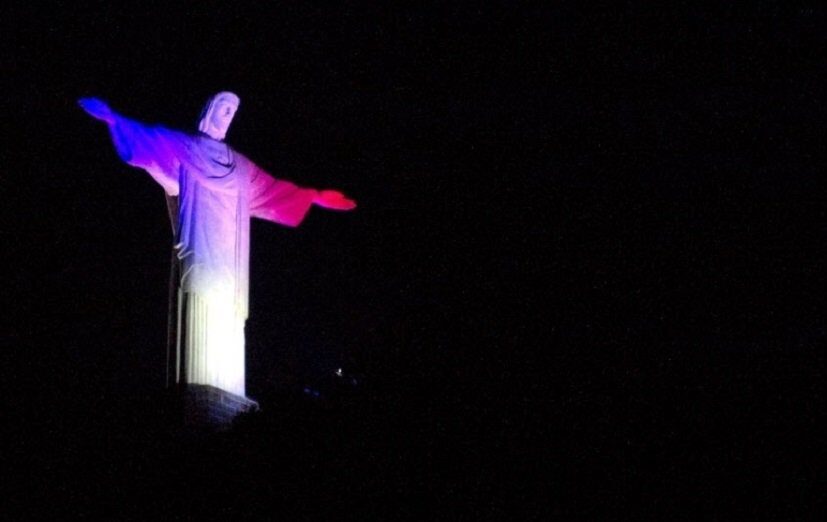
(607, 217)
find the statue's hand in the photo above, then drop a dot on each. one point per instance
(98, 109)
(333, 199)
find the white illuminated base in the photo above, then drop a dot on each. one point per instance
(213, 343)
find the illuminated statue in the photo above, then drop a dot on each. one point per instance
(217, 191)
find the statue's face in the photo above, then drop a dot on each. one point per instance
(218, 115)
(221, 118)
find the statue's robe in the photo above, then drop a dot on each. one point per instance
(218, 190)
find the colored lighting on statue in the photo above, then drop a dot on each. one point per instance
(217, 190)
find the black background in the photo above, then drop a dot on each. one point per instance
(584, 275)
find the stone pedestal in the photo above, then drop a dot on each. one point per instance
(210, 408)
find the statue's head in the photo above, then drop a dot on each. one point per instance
(218, 114)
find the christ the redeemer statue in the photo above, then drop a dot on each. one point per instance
(218, 190)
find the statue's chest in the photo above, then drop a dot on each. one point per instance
(215, 167)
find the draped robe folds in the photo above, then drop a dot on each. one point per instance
(218, 191)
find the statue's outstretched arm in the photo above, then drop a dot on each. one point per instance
(154, 148)
(286, 203)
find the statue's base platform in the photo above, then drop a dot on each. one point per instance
(211, 408)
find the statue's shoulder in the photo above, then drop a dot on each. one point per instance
(241, 159)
